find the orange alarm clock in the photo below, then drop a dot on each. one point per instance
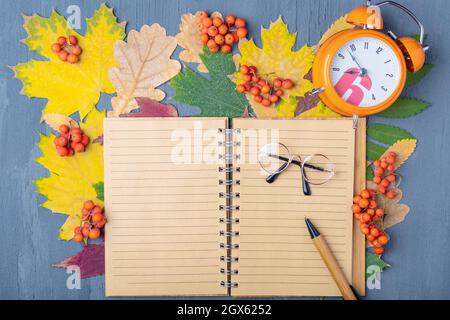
(362, 71)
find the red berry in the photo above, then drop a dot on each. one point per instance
(255, 91)
(72, 58)
(241, 33)
(88, 205)
(62, 55)
(253, 69)
(85, 140)
(277, 83)
(265, 89)
(56, 47)
(223, 29)
(62, 151)
(62, 41)
(97, 217)
(244, 69)
(273, 98)
(390, 194)
(78, 147)
(240, 88)
(61, 141)
(229, 39)
(240, 23)
(258, 99)
(217, 21)
(287, 84)
(94, 233)
(266, 102)
(279, 92)
(63, 128)
(230, 20)
(78, 237)
(378, 251)
(73, 40)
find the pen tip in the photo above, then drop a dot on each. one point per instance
(311, 228)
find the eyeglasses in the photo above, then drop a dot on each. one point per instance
(316, 169)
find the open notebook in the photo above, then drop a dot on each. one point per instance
(190, 213)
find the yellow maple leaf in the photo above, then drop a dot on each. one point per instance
(70, 87)
(339, 25)
(72, 179)
(321, 111)
(276, 59)
(403, 149)
(144, 63)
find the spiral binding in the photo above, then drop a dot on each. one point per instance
(228, 284)
(229, 169)
(229, 195)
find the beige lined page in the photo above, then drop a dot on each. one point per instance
(276, 256)
(162, 235)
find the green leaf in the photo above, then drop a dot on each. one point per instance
(99, 189)
(217, 96)
(414, 78)
(387, 134)
(404, 108)
(374, 151)
(375, 260)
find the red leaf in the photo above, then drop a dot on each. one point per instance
(152, 108)
(98, 140)
(90, 260)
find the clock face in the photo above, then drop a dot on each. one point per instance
(365, 72)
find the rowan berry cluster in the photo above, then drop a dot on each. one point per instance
(365, 209)
(218, 34)
(70, 141)
(67, 49)
(93, 222)
(385, 176)
(262, 91)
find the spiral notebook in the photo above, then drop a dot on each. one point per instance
(190, 213)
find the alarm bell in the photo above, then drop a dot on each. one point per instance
(369, 17)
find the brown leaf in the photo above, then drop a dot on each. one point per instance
(189, 39)
(55, 120)
(90, 260)
(395, 212)
(144, 63)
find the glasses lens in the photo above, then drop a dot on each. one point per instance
(318, 169)
(274, 158)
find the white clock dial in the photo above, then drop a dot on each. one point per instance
(365, 72)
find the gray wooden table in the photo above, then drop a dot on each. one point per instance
(419, 251)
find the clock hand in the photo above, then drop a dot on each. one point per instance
(363, 71)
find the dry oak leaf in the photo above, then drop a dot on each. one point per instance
(395, 212)
(276, 59)
(70, 87)
(189, 39)
(339, 25)
(144, 63)
(404, 149)
(55, 120)
(72, 179)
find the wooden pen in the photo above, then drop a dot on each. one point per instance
(330, 261)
